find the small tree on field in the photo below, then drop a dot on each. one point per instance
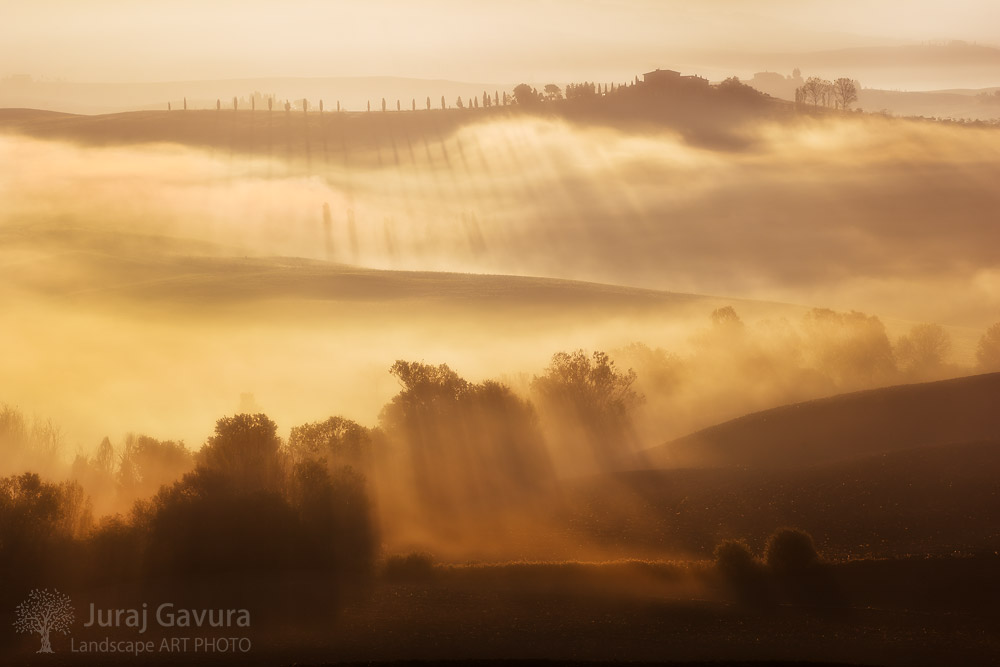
(43, 612)
(790, 551)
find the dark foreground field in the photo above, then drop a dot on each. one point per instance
(914, 611)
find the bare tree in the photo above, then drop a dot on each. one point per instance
(814, 90)
(845, 92)
(43, 612)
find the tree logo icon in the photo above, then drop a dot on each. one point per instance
(43, 612)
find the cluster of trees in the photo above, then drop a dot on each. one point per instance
(791, 572)
(444, 447)
(247, 504)
(732, 368)
(248, 501)
(839, 94)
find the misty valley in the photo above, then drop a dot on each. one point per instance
(661, 370)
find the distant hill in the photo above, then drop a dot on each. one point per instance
(931, 500)
(915, 67)
(845, 426)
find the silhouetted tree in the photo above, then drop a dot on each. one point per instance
(815, 90)
(399, 106)
(38, 521)
(845, 93)
(321, 106)
(525, 95)
(988, 350)
(459, 103)
(743, 574)
(444, 105)
(383, 105)
(428, 102)
(590, 393)
(185, 104)
(335, 515)
(218, 104)
(852, 348)
(801, 574)
(469, 445)
(921, 353)
(552, 92)
(246, 450)
(338, 441)
(145, 464)
(270, 104)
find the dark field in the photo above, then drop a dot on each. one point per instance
(891, 612)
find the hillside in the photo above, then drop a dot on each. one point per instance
(701, 114)
(845, 426)
(919, 501)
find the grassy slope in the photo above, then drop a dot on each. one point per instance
(846, 426)
(926, 500)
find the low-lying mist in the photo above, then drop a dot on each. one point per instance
(152, 288)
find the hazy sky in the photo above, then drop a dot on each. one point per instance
(489, 40)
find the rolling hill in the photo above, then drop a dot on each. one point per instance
(928, 500)
(845, 426)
